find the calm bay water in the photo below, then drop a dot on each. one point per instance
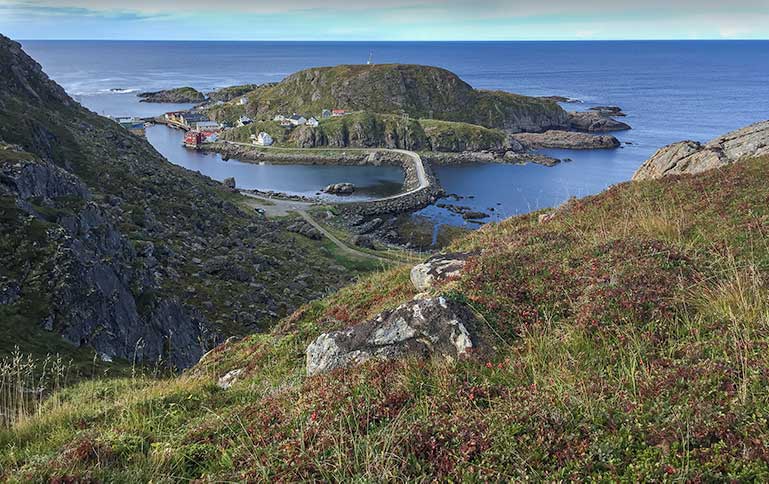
(307, 180)
(670, 90)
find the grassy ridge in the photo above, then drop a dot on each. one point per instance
(418, 91)
(633, 333)
(364, 129)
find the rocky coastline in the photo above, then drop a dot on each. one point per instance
(570, 140)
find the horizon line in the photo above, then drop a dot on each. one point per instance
(672, 39)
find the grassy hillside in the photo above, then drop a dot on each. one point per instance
(634, 328)
(419, 91)
(364, 130)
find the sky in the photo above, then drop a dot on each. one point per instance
(372, 20)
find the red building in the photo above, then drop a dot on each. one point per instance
(193, 139)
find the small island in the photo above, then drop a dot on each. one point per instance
(180, 95)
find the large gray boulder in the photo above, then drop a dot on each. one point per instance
(419, 328)
(690, 157)
(437, 269)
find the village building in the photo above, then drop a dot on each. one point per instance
(210, 137)
(193, 139)
(313, 122)
(263, 139)
(326, 113)
(286, 123)
(297, 120)
(132, 124)
(244, 121)
(243, 101)
(189, 118)
(207, 126)
(279, 118)
(338, 112)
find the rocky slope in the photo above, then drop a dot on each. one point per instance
(688, 157)
(622, 337)
(419, 91)
(111, 247)
(227, 94)
(179, 95)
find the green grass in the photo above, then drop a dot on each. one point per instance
(633, 335)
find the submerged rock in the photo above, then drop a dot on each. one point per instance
(421, 328)
(693, 157)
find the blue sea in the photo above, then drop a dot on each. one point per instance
(671, 90)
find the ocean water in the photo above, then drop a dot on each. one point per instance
(671, 90)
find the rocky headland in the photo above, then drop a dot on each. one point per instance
(570, 140)
(689, 157)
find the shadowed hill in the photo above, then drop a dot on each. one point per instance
(111, 247)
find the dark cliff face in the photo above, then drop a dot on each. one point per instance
(419, 91)
(110, 246)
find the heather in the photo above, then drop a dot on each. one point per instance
(631, 344)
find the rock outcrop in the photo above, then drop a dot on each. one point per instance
(689, 157)
(438, 269)
(340, 189)
(594, 121)
(421, 328)
(180, 95)
(569, 140)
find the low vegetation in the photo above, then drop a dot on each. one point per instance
(632, 326)
(365, 129)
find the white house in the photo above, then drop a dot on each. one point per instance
(312, 122)
(244, 121)
(263, 139)
(298, 120)
(279, 118)
(243, 101)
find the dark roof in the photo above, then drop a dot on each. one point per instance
(296, 117)
(195, 117)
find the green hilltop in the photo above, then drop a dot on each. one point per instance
(413, 90)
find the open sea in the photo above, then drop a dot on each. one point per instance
(671, 90)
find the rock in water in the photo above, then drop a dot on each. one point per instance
(568, 140)
(693, 157)
(592, 121)
(422, 328)
(340, 189)
(438, 269)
